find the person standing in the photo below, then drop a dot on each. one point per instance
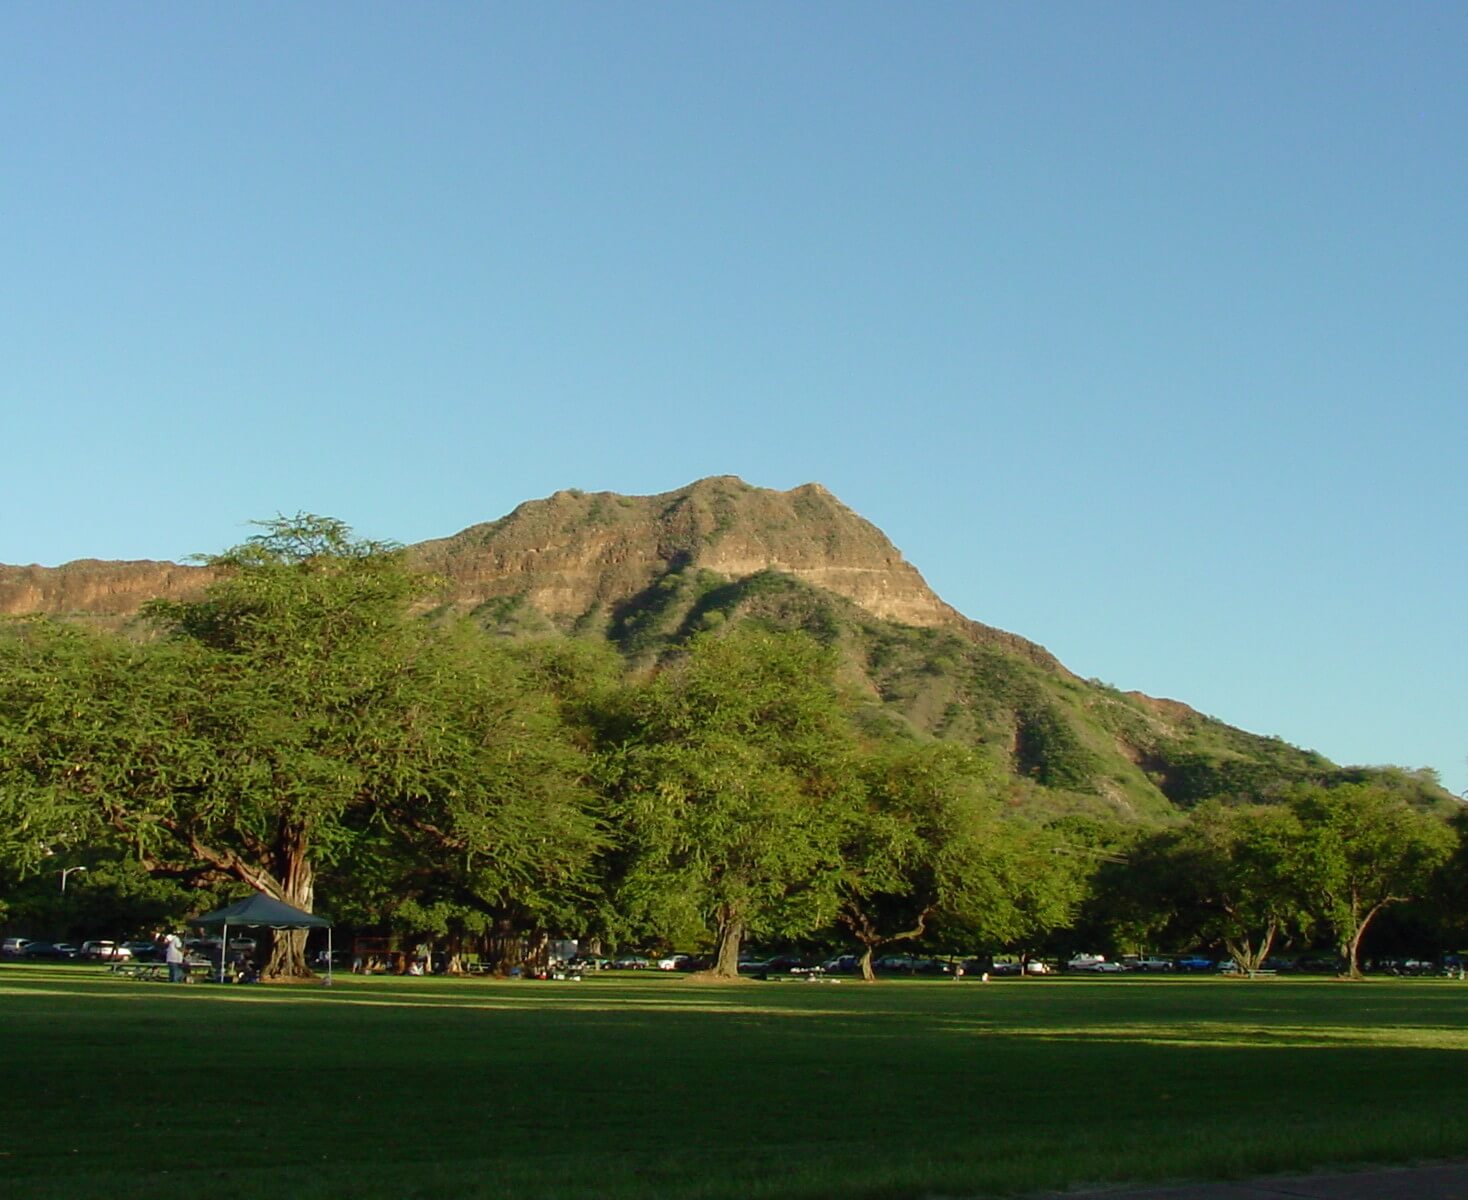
(173, 955)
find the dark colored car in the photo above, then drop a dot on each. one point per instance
(50, 950)
(782, 962)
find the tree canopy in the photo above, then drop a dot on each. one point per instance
(312, 719)
(290, 717)
(729, 791)
(1364, 848)
(916, 844)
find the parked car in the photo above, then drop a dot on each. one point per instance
(51, 950)
(1102, 967)
(842, 964)
(1193, 963)
(782, 962)
(1146, 963)
(630, 962)
(674, 962)
(105, 952)
(142, 951)
(13, 947)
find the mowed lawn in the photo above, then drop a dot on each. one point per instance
(658, 1086)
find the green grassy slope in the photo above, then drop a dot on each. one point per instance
(1067, 744)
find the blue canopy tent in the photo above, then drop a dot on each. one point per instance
(262, 912)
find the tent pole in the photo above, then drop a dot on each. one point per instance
(328, 956)
(223, 951)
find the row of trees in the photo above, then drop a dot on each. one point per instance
(300, 729)
(1318, 860)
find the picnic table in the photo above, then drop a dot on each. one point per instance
(139, 970)
(156, 970)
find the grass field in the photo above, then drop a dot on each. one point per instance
(657, 1086)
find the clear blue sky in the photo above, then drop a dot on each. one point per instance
(1140, 328)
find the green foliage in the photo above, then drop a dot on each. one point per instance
(1364, 848)
(298, 716)
(1031, 886)
(774, 762)
(727, 791)
(653, 620)
(1048, 749)
(496, 817)
(771, 599)
(913, 845)
(513, 617)
(1230, 874)
(94, 728)
(114, 897)
(1448, 892)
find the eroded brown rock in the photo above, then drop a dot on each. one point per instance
(577, 552)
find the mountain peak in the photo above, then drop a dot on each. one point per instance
(576, 551)
(576, 557)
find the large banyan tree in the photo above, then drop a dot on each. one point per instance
(295, 710)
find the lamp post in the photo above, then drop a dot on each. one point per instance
(67, 871)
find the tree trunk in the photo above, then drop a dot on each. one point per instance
(1351, 942)
(297, 880)
(866, 932)
(730, 938)
(1248, 959)
(455, 950)
(537, 953)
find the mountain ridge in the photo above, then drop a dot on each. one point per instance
(574, 550)
(648, 572)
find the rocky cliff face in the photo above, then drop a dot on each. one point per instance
(576, 552)
(101, 589)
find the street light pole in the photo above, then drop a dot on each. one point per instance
(67, 871)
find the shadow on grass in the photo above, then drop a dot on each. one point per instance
(445, 1088)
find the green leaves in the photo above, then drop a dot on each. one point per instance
(1364, 848)
(915, 842)
(296, 715)
(302, 716)
(725, 788)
